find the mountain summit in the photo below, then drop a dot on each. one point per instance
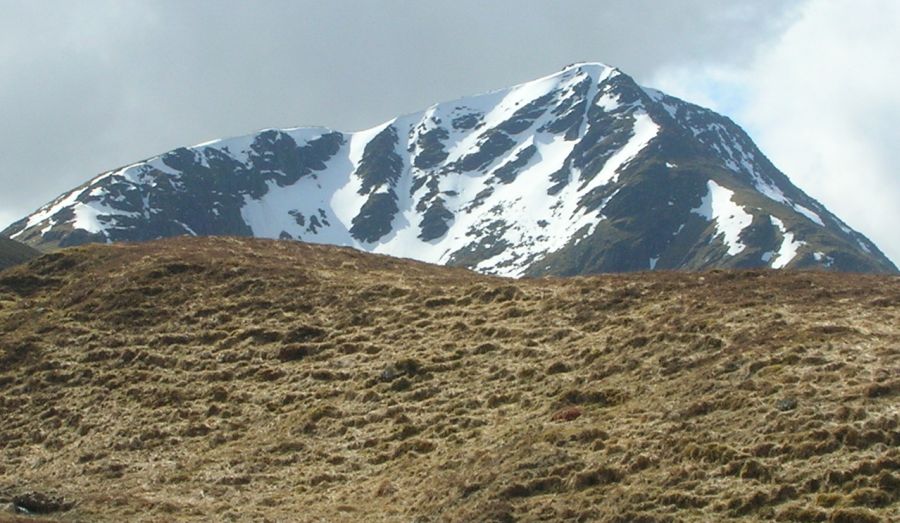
(582, 171)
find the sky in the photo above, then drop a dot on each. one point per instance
(92, 85)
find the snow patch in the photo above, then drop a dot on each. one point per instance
(87, 216)
(333, 191)
(809, 214)
(788, 249)
(608, 102)
(185, 227)
(731, 219)
(863, 246)
(823, 258)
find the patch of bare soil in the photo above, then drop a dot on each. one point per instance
(232, 380)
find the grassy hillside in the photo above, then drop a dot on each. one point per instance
(14, 253)
(231, 380)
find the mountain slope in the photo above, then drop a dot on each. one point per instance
(579, 172)
(14, 253)
(198, 379)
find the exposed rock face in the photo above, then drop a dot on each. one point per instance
(579, 172)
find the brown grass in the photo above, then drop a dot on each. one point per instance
(226, 379)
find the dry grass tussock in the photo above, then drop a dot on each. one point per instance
(226, 379)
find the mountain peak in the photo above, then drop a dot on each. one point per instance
(580, 171)
(589, 66)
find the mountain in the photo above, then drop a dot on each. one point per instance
(582, 171)
(14, 253)
(238, 379)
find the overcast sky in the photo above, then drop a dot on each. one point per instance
(91, 85)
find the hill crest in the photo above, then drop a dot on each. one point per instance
(223, 378)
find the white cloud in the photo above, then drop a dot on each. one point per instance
(822, 100)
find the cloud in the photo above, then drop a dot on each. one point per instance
(821, 100)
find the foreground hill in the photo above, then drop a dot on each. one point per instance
(14, 253)
(239, 379)
(580, 172)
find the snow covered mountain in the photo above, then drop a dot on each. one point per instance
(578, 172)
